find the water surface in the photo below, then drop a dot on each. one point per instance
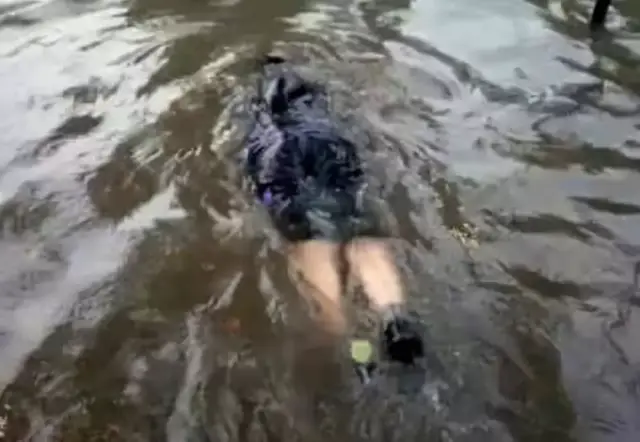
(144, 298)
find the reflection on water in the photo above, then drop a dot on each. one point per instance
(142, 296)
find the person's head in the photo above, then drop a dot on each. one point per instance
(282, 87)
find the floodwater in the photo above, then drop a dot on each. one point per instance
(143, 297)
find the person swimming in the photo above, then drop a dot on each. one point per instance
(309, 177)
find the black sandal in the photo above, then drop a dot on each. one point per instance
(401, 340)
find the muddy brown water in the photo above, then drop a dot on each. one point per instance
(143, 297)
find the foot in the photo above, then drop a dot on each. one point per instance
(401, 340)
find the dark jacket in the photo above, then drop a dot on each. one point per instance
(295, 149)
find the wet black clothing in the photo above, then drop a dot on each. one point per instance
(302, 168)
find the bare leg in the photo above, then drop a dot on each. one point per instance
(371, 262)
(315, 265)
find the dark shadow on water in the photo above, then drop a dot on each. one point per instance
(535, 410)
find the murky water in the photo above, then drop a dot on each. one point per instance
(143, 298)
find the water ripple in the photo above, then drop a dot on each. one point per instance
(144, 297)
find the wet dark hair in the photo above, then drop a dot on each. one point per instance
(280, 87)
